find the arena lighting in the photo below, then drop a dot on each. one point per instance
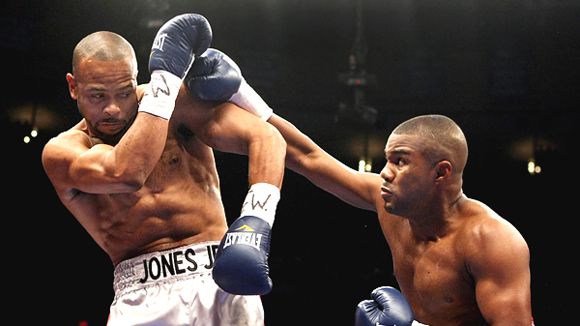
(534, 168)
(365, 165)
(35, 115)
(33, 134)
(529, 149)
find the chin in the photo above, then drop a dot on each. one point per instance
(392, 209)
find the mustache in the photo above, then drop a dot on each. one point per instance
(386, 186)
(110, 120)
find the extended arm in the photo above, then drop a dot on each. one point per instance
(216, 77)
(305, 157)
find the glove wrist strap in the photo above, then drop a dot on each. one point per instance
(261, 201)
(247, 98)
(160, 94)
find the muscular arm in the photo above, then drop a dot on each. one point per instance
(71, 161)
(502, 275)
(326, 172)
(237, 131)
(227, 128)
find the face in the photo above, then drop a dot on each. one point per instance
(407, 176)
(106, 97)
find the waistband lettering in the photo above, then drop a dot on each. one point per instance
(175, 263)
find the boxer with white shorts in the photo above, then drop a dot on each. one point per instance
(138, 172)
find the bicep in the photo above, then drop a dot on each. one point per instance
(72, 162)
(234, 130)
(222, 126)
(229, 129)
(502, 278)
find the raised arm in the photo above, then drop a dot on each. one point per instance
(241, 265)
(75, 161)
(227, 128)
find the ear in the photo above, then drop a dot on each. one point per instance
(443, 170)
(72, 85)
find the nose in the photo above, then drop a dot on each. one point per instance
(112, 109)
(386, 173)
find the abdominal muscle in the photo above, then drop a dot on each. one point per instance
(179, 204)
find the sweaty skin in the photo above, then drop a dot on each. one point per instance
(456, 261)
(133, 200)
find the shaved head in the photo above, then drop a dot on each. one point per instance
(103, 46)
(444, 140)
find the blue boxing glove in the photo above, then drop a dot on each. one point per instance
(241, 263)
(178, 41)
(216, 77)
(174, 49)
(388, 307)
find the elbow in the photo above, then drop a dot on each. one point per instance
(275, 141)
(132, 182)
(131, 179)
(126, 180)
(277, 138)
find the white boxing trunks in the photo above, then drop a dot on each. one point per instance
(175, 287)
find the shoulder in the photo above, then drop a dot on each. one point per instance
(140, 91)
(488, 236)
(67, 139)
(484, 224)
(59, 149)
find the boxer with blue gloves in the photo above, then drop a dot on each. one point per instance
(141, 177)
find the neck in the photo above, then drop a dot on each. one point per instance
(436, 222)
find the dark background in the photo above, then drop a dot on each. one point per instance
(506, 71)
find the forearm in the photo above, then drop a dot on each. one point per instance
(298, 146)
(138, 152)
(266, 156)
(306, 158)
(103, 168)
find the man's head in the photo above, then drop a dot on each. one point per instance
(426, 156)
(103, 82)
(442, 138)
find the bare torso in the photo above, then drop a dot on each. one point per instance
(434, 275)
(179, 204)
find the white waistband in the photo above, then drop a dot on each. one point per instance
(162, 266)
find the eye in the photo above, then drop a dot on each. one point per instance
(398, 161)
